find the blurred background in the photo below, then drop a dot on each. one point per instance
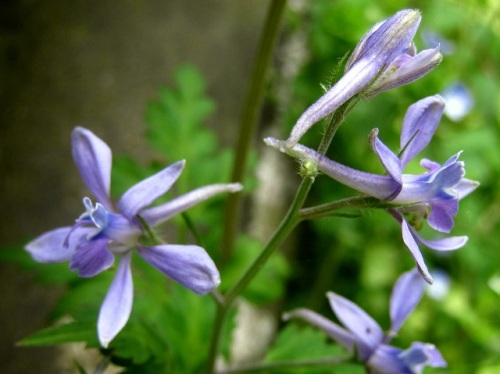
(98, 64)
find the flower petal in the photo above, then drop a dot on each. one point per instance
(411, 242)
(442, 213)
(406, 294)
(405, 69)
(50, 247)
(120, 229)
(388, 159)
(93, 159)
(352, 82)
(449, 243)
(145, 192)
(419, 125)
(420, 355)
(435, 187)
(117, 306)
(91, 257)
(386, 40)
(189, 265)
(385, 360)
(367, 332)
(337, 333)
(161, 213)
(449, 175)
(465, 187)
(429, 164)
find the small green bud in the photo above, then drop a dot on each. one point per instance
(308, 169)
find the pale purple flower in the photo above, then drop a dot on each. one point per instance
(434, 194)
(384, 58)
(363, 335)
(104, 231)
(459, 101)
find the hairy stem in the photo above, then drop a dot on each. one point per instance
(334, 123)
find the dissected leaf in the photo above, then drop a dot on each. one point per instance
(295, 343)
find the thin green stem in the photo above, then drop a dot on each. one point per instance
(251, 110)
(287, 225)
(357, 202)
(192, 228)
(298, 364)
(147, 229)
(328, 209)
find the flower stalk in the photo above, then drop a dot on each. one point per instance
(249, 118)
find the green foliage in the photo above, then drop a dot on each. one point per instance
(268, 285)
(294, 344)
(66, 333)
(175, 129)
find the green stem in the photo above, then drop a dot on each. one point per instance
(287, 225)
(190, 225)
(147, 229)
(251, 110)
(328, 209)
(264, 367)
(357, 202)
(333, 125)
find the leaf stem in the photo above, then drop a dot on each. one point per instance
(251, 110)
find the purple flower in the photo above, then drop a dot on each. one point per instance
(104, 231)
(384, 58)
(434, 194)
(362, 334)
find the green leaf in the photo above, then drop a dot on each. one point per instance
(66, 333)
(295, 343)
(174, 120)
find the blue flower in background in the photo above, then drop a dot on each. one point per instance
(385, 58)
(433, 195)
(441, 286)
(362, 334)
(459, 101)
(104, 231)
(432, 39)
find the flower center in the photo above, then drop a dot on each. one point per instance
(97, 214)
